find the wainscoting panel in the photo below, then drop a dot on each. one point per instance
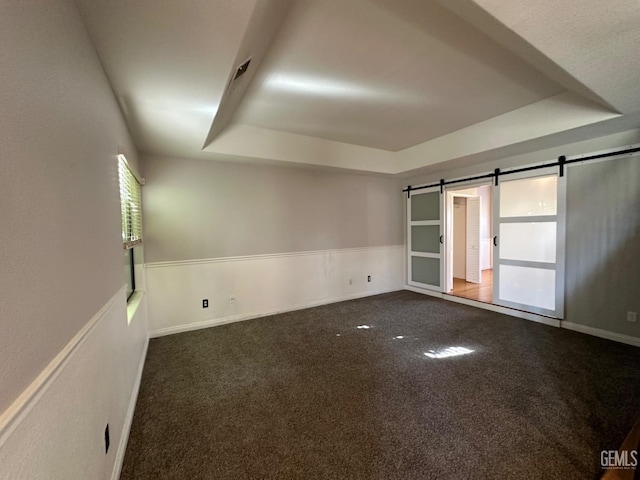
(56, 428)
(240, 288)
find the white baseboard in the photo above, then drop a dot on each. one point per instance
(597, 332)
(576, 327)
(124, 439)
(552, 322)
(431, 293)
(214, 322)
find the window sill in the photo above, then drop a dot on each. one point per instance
(133, 304)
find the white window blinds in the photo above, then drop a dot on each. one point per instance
(130, 204)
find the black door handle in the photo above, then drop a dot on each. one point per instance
(495, 241)
(441, 239)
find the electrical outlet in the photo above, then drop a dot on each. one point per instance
(632, 317)
(107, 442)
(205, 303)
(368, 278)
(232, 299)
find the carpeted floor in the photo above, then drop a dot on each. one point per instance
(309, 395)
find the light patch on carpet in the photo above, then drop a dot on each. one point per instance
(449, 352)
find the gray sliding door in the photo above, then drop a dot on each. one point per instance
(424, 239)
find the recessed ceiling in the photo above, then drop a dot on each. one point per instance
(382, 86)
(168, 63)
(385, 74)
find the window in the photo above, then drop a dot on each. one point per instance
(131, 210)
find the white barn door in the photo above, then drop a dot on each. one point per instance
(529, 229)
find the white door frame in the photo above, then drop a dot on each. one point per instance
(472, 276)
(450, 192)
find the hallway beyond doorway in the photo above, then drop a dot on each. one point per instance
(482, 292)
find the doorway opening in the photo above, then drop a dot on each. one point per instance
(469, 256)
(510, 252)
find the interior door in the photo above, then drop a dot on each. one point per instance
(473, 271)
(529, 225)
(425, 239)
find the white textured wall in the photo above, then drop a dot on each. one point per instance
(275, 238)
(603, 244)
(61, 434)
(196, 209)
(60, 240)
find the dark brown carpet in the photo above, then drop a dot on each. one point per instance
(309, 395)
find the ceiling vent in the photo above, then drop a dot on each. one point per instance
(241, 70)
